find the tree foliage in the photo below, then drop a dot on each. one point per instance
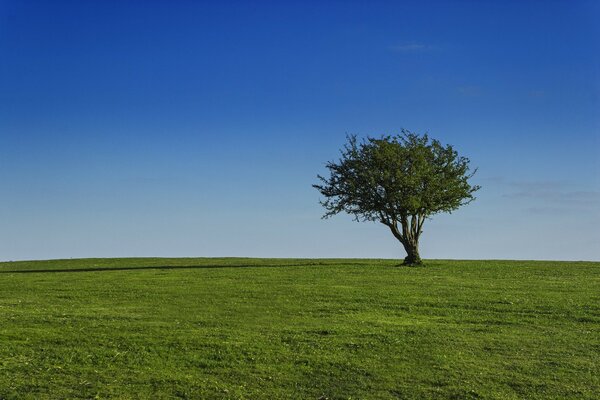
(399, 181)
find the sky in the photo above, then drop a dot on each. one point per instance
(196, 128)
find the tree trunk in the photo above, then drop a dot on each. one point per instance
(409, 239)
(412, 251)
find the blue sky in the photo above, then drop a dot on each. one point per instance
(156, 128)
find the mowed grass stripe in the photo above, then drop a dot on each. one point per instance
(234, 329)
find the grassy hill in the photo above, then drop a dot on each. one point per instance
(300, 329)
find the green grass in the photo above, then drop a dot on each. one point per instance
(299, 329)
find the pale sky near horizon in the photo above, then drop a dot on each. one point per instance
(159, 128)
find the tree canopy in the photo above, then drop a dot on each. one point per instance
(399, 181)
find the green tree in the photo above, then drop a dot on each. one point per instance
(399, 181)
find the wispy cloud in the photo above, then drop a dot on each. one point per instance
(470, 90)
(552, 194)
(576, 197)
(410, 47)
(536, 94)
(545, 210)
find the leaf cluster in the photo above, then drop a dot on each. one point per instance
(390, 178)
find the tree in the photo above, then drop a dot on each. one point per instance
(399, 181)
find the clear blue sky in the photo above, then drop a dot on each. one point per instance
(162, 128)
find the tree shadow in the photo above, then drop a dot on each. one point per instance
(404, 265)
(151, 267)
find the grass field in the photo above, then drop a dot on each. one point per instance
(299, 329)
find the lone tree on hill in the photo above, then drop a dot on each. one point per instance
(399, 181)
